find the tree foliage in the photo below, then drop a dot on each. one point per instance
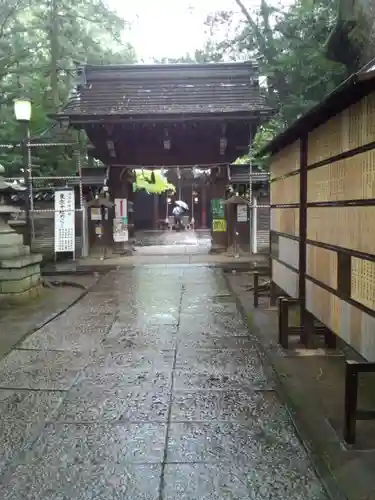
(152, 181)
(40, 43)
(209, 53)
(351, 41)
(289, 45)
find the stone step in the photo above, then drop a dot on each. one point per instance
(15, 274)
(13, 251)
(21, 297)
(9, 239)
(22, 261)
(21, 285)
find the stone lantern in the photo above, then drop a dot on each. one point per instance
(19, 269)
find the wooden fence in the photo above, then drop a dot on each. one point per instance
(323, 220)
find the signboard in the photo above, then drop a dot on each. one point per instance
(120, 230)
(121, 207)
(242, 213)
(217, 209)
(120, 222)
(64, 221)
(219, 225)
(96, 214)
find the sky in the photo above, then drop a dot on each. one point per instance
(169, 28)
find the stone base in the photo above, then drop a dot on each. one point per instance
(21, 261)
(18, 273)
(20, 297)
(241, 249)
(215, 249)
(19, 270)
(125, 248)
(20, 285)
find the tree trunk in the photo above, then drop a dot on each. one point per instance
(267, 47)
(54, 53)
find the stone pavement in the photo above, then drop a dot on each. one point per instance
(17, 321)
(164, 248)
(149, 388)
(172, 242)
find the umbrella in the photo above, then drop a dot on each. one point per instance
(182, 204)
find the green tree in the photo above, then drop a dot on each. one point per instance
(289, 45)
(209, 53)
(351, 41)
(40, 41)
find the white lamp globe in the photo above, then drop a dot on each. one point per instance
(22, 110)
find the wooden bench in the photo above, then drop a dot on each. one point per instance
(258, 291)
(352, 413)
(305, 331)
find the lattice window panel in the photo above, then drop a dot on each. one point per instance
(285, 278)
(286, 190)
(352, 128)
(349, 179)
(288, 160)
(285, 220)
(321, 264)
(363, 282)
(349, 227)
(324, 305)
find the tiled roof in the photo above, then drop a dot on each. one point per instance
(240, 174)
(134, 90)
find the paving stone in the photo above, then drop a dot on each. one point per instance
(23, 415)
(242, 406)
(46, 480)
(231, 442)
(140, 360)
(193, 380)
(224, 360)
(85, 404)
(118, 380)
(44, 370)
(212, 342)
(222, 482)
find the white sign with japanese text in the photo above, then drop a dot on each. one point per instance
(64, 221)
(242, 213)
(120, 222)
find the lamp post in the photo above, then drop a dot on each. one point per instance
(22, 112)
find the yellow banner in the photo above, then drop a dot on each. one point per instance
(219, 225)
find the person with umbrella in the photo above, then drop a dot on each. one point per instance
(178, 211)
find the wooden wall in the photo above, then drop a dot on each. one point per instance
(338, 218)
(285, 218)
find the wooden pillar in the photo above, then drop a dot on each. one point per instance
(156, 212)
(219, 232)
(307, 320)
(131, 211)
(119, 187)
(204, 206)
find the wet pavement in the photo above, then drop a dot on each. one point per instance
(173, 242)
(149, 388)
(17, 321)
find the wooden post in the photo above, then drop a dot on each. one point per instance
(204, 207)
(219, 231)
(306, 321)
(156, 212)
(254, 213)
